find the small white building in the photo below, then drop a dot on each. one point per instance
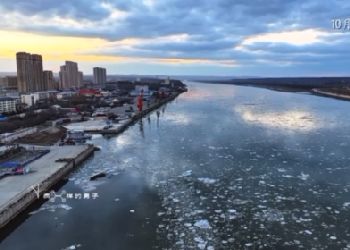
(106, 93)
(139, 89)
(65, 94)
(32, 98)
(8, 104)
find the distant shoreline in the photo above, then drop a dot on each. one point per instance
(334, 87)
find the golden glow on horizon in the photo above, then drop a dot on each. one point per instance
(55, 48)
(85, 49)
(227, 63)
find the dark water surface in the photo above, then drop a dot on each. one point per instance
(224, 167)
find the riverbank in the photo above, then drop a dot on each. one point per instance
(327, 93)
(16, 196)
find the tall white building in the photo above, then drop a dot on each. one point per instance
(100, 75)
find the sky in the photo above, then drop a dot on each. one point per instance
(176, 37)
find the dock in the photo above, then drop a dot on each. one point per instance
(17, 193)
(128, 122)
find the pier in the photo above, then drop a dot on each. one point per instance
(17, 193)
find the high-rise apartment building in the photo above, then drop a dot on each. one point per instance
(38, 73)
(49, 80)
(80, 78)
(69, 76)
(100, 75)
(29, 72)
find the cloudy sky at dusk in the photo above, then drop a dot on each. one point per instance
(224, 37)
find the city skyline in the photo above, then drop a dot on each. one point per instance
(176, 38)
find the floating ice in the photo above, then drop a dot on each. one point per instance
(206, 180)
(52, 208)
(346, 204)
(204, 224)
(72, 247)
(333, 237)
(303, 176)
(201, 242)
(186, 173)
(239, 202)
(308, 232)
(270, 215)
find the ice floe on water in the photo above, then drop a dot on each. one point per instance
(201, 243)
(51, 207)
(207, 181)
(203, 224)
(87, 185)
(73, 247)
(303, 176)
(186, 173)
(346, 205)
(271, 215)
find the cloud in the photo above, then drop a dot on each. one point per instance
(299, 37)
(251, 34)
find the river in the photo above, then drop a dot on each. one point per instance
(221, 167)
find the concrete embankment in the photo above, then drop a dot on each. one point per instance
(17, 193)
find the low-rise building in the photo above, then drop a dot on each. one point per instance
(8, 104)
(32, 98)
(144, 89)
(89, 92)
(65, 94)
(8, 83)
